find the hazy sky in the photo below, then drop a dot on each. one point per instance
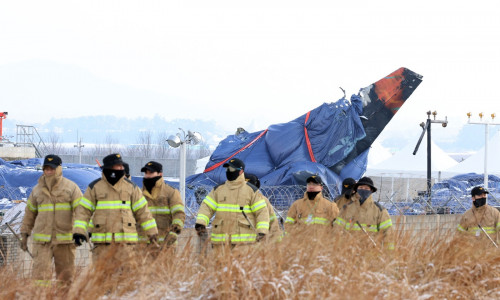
(246, 63)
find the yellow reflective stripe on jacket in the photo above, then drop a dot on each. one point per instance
(385, 224)
(63, 206)
(258, 205)
(148, 224)
(272, 218)
(81, 224)
(119, 237)
(202, 217)
(235, 238)
(210, 202)
(76, 202)
(91, 224)
(31, 207)
(340, 221)
(233, 208)
(117, 204)
(498, 226)
(460, 228)
(159, 210)
(489, 230)
(87, 204)
(139, 204)
(290, 220)
(176, 208)
(45, 207)
(178, 222)
(64, 236)
(316, 220)
(43, 283)
(40, 237)
(263, 225)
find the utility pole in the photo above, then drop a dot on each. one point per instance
(486, 138)
(79, 146)
(427, 128)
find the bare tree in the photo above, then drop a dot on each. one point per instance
(162, 149)
(145, 141)
(54, 145)
(111, 144)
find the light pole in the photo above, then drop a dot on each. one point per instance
(79, 146)
(427, 129)
(486, 137)
(176, 141)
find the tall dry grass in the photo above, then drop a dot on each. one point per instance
(305, 265)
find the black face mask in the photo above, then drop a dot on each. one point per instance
(312, 195)
(149, 183)
(232, 175)
(347, 194)
(479, 202)
(112, 176)
(363, 195)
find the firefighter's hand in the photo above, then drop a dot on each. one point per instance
(153, 239)
(260, 236)
(79, 238)
(200, 229)
(176, 228)
(24, 242)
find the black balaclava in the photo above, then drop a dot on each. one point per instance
(231, 176)
(149, 183)
(312, 195)
(479, 202)
(363, 195)
(112, 176)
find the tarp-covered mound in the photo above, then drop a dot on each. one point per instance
(331, 140)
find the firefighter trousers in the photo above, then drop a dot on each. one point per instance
(64, 260)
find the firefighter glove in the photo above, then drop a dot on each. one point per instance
(24, 241)
(79, 238)
(153, 239)
(200, 229)
(260, 236)
(176, 228)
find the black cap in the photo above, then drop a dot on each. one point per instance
(253, 179)
(478, 190)
(113, 159)
(235, 163)
(126, 168)
(153, 166)
(52, 160)
(315, 178)
(347, 185)
(365, 181)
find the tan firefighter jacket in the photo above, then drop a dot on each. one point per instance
(165, 204)
(49, 213)
(317, 212)
(486, 216)
(372, 217)
(341, 201)
(228, 201)
(114, 210)
(274, 227)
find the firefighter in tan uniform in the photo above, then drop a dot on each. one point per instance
(480, 215)
(49, 215)
(367, 217)
(275, 233)
(115, 205)
(312, 209)
(345, 195)
(164, 203)
(241, 215)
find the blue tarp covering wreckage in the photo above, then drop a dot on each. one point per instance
(331, 140)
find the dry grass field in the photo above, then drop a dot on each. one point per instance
(305, 265)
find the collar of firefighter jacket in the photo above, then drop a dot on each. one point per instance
(237, 183)
(117, 186)
(317, 198)
(155, 191)
(479, 209)
(368, 200)
(48, 184)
